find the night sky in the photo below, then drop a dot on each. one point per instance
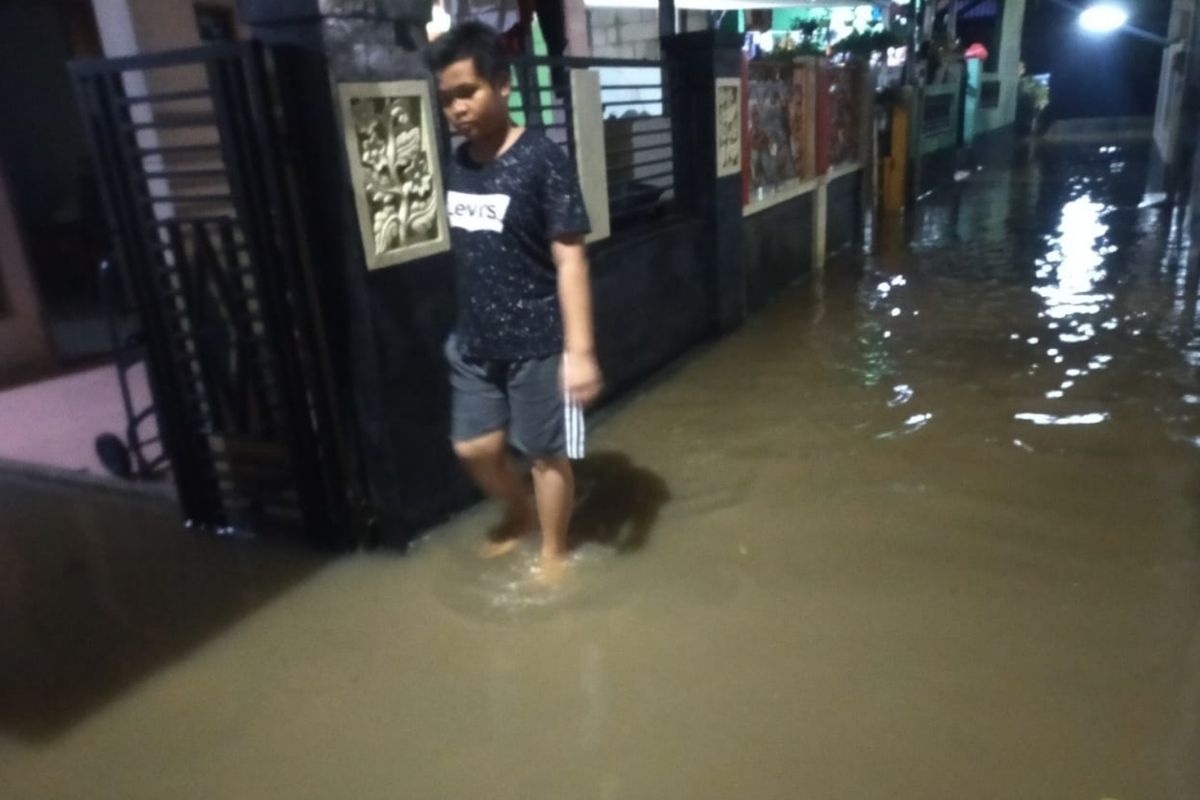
(1095, 76)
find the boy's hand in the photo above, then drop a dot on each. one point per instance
(581, 378)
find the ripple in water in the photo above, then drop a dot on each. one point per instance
(911, 425)
(511, 588)
(514, 584)
(903, 393)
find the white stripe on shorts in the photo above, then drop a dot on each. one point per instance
(576, 430)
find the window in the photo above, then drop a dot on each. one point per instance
(989, 94)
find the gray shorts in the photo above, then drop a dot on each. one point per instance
(524, 398)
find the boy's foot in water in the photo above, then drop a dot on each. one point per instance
(550, 570)
(504, 537)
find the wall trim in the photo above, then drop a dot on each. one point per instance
(790, 191)
(842, 170)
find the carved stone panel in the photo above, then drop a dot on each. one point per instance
(391, 146)
(729, 127)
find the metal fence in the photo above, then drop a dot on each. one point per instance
(186, 147)
(938, 115)
(542, 99)
(638, 140)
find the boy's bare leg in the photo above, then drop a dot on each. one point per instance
(554, 490)
(487, 461)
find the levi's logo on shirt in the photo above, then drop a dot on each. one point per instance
(477, 212)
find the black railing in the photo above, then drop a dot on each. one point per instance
(188, 153)
(638, 140)
(543, 96)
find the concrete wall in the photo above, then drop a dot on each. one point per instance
(777, 248)
(777, 242)
(24, 344)
(1007, 70)
(652, 297)
(844, 214)
(691, 21)
(633, 32)
(624, 33)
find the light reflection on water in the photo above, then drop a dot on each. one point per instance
(1068, 419)
(1073, 266)
(1098, 332)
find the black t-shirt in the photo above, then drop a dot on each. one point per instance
(503, 217)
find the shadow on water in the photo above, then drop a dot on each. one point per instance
(618, 504)
(98, 592)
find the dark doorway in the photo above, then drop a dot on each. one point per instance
(48, 171)
(216, 23)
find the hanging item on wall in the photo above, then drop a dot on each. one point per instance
(394, 168)
(440, 21)
(770, 108)
(843, 102)
(729, 126)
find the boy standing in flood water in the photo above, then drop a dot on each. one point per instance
(522, 360)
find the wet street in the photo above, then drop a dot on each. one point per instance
(927, 527)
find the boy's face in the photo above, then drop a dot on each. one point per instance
(475, 106)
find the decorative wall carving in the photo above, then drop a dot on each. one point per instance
(394, 167)
(729, 127)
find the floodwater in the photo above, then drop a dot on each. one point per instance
(928, 527)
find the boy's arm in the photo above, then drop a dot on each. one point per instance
(581, 374)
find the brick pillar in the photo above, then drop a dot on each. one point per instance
(695, 62)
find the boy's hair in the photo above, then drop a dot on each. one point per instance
(475, 41)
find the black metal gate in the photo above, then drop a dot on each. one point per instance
(188, 146)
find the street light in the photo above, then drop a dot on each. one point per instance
(1103, 18)
(1109, 17)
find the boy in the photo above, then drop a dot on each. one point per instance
(521, 357)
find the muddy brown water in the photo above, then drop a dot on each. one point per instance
(927, 527)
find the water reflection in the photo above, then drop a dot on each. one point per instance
(1073, 265)
(1073, 238)
(903, 393)
(1067, 419)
